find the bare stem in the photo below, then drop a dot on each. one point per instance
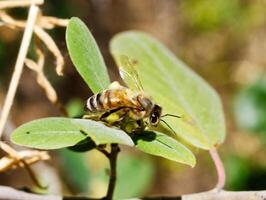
(33, 13)
(11, 193)
(219, 168)
(19, 3)
(112, 181)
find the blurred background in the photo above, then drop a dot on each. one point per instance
(223, 40)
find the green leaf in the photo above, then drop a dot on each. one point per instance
(59, 132)
(175, 87)
(86, 55)
(159, 144)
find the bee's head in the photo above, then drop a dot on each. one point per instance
(155, 115)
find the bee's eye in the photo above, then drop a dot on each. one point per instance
(153, 119)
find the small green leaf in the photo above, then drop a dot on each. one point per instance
(175, 87)
(86, 56)
(159, 144)
(59, 132)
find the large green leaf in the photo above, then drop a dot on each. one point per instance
(59, 132)
(175, 87)
(86, 56)
(159, 144)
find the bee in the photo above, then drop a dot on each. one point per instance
(128, 102)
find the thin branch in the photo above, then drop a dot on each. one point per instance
(226, 195)
(16, 159)
(112, 181)
(21, 159)
(41, 79)
(49, 22)
(43, 22)
(33, 13)
(50, 44)
(11, 193)
(219, 168)
(44, 83)
(103, 151)
(19, 3)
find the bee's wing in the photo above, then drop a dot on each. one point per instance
(129, 74)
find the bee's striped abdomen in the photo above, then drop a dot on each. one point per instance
(109, 100)
(94, 103)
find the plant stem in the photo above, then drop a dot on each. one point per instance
(219, 168)
(32, 16)
(112, 181)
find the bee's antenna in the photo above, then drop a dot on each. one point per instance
(171, 115)
(169, 127)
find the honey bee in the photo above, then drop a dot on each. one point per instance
(129, 102)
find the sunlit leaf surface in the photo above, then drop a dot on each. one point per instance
(85, 55)
(58, 132)
(159, 144)
(174, 86)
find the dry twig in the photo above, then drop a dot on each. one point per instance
(43, 22)
(10, 193)
(19, 3)
(33, 12)
(41, 78)
(25, 158)
(14, 158)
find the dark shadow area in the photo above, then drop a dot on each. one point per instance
(145, 135)
(84, 145)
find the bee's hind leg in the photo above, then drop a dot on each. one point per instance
(93, 116)
(115, 116)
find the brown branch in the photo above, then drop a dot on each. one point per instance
(11, 193)
(226, 195)
(44, 22)
(112, 181)
(13, 159)
(19, 3)
(32, 16)
(41, 78)
(50, 44)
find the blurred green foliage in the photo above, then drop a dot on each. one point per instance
(135, 173)
(208, 15)
(75, 107)
(243, 174)
(237, 172)
(250, 107)
(76, 170)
